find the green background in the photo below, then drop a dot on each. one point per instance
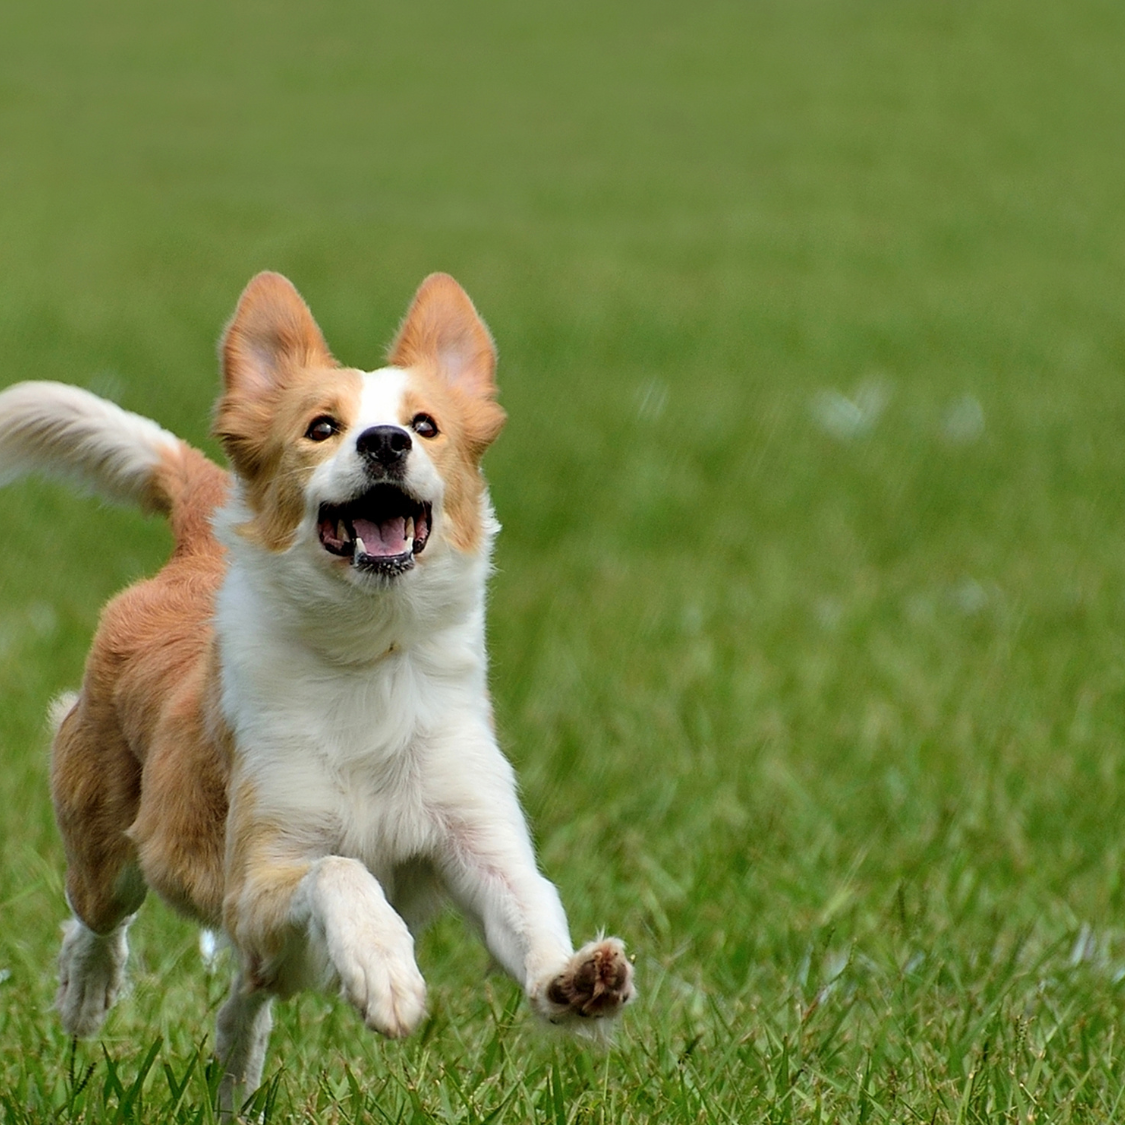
(807, 627)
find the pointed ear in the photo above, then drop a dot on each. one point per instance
(271, 333)
(441, 328)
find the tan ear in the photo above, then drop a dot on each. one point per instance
(443, 329)
(271, 333)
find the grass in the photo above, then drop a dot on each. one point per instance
(808, 628)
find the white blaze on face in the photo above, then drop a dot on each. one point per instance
(342, 477)
(382, 401)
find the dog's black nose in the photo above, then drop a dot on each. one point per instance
(388, 445)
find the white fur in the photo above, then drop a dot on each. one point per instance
(362, 722)
(362, 943)
(64, 431)
(242, 1034)
(91, 972)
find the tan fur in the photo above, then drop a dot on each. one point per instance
(440, 323)
(261, 882)
(275, 491)
(453, 451)
(279, 375)
(139, 767)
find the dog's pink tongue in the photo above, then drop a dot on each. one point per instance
(383, 539)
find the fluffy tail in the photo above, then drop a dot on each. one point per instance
(62, 431)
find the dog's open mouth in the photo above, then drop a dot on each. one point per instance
(380, 531)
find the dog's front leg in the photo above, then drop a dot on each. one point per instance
(489, 866)
(354, 933)
(299, 923)
(322, 921)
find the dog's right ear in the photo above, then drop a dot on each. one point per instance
(270, 338)
(271, 334)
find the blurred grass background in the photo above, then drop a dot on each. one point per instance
(808, 623)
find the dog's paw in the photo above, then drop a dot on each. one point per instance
(91, 972)
(381, 982)
(368, 947)
(596, 983)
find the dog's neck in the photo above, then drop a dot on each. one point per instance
(290, 598)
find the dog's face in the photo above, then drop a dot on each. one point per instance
(369, 470)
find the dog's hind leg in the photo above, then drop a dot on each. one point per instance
(95, 786)
(241, 1037)
(91, 972)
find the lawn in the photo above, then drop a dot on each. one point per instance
(808, 626)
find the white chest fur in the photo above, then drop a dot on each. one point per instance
(351, 758)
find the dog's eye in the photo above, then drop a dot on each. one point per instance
(322, 428)
(424, 426)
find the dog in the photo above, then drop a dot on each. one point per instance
(287, 732)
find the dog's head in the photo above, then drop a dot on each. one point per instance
(367, 471)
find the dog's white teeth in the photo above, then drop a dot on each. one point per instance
(341, 532)
(409, 533)
(360, 549)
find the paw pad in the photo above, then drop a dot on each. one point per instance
(597, 982)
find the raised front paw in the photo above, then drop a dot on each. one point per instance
(596, 983)
(383, 983)
(367, 946)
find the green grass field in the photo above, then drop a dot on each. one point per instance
(808, 628)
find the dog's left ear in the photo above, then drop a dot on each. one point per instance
(443, 329)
